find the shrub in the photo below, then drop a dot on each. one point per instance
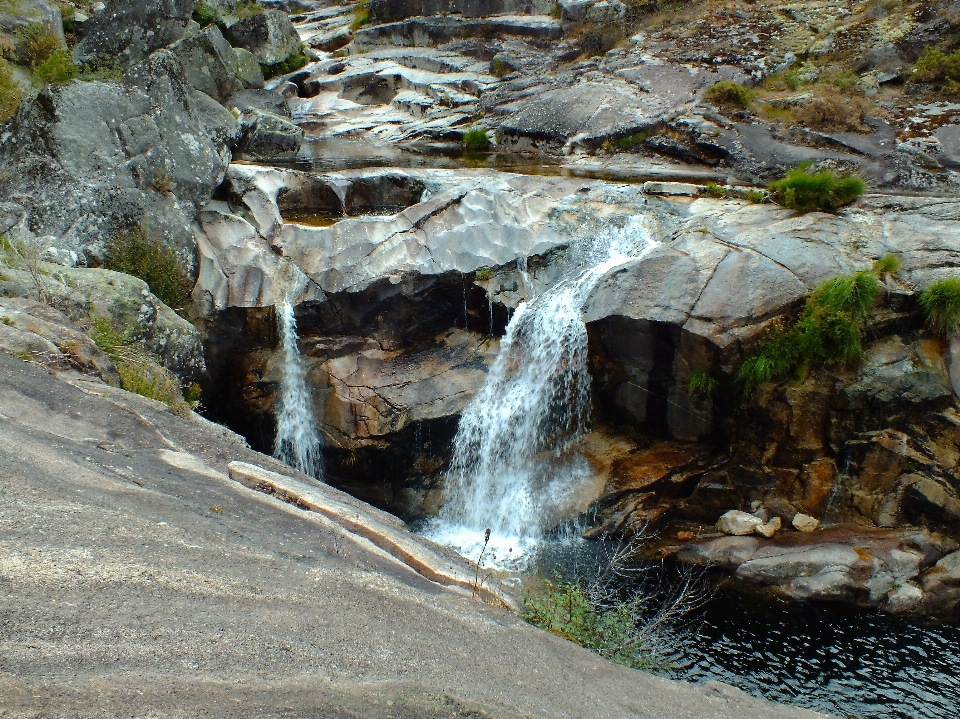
(206, 15)
(136, 252)
(57, 69)
(483, 273)
(830, 110)
(626, 143)
(934, 66)
(291, 64)
(941, 304)
(728, 93)
(700, 383)
(35, 45)
(756, 197)
(361, 16)
(10, 92)
(828, 331)
(476, 139)
(715, 190)
(802, 191)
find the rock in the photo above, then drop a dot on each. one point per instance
(904, 599)
(15, 15)
(210, 65)
(268, 35)
(129, 31)
(249, 71)
(93, 157)
(268, 101)
(265, 135)
(685, 536)
(738, 523)
(941, 587)
(934, 500)
(671, 188)
(804, 522)
(384, 11)
(441, 29)
(769, 528)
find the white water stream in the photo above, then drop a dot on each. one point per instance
(513, 469)
(297, 442)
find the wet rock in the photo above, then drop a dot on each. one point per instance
(129, 31)
(265, 135)
(804, 522)
(738, 523)
(268, 35)
(941, 587)
(904, 599)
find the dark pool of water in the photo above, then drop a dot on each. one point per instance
(841, 662)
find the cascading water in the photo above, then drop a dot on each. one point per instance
(512, 468)
(298, 442)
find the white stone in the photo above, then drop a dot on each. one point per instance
(738, 523)
(804, 522)
(770, 528)
(904, 599)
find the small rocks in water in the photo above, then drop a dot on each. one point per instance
(770, 528)
(804, 522)
(684, 536)
(738, 523)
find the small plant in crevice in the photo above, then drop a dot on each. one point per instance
(135, 251)
(941, 305)
(35, 45)
(829, 331)
(247, 8)
(483, 273)
(56, 69)
(756, 197)
(630, 141)
(361, 16)
(699, 383)
(206, 15)
(729, 94)
(824, 190)
(25, 255)
(476, 139)
(476, 575)
(938, 68)
(500, 67)
(715, 190)
(293, 63)
(887, 265)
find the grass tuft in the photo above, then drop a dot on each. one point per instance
(476, 139)
(205, 15)
(247, 8)
(56, 69)
(35, 45)
(887, 265)
(941, 304)
(631, 141)
(483, 273)
(715, 190)
(728, 93)
(700, 383)
(825, 190)
(138, 253)
(10, 92)
(361, 16)
(291, 64)
(938, 68)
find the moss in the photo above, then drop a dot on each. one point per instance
(715, 190)
(10, 93)
(828, 331)
(361, 16)
(941, 304)
(57, 69)
(206, 15)
(136, 252)
(35, 45)
(476, 139)
(728, 93)
(483, 273)
(825, 190)
(246, 9)
(291, 64)
(630, 141)
(700, 383)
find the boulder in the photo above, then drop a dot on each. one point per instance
(941, 587)
(264, 100)
(268, 35)
(93, 157)
(769, 528)
(738, 523)
(128, 30)
(249, 71)
(265, 135)
(804, 522)
(209, 64)
(932, 499)
(15, 15)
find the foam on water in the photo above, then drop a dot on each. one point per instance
(298, 441)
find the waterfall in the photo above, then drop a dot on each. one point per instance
(512, 468)
(297, 443)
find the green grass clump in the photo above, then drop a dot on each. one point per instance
(246, 9)
(756, 197)
(715, 190)
(10, 92)
(825, 190)
(941, 304)
(936, 67)
(499, 68)
(829, 331)
(700, 383)
(57, 69)
(361, 16)
(566, 610)
(728, 93)
(35, 45)
(138, 253)
(291, 64)
(630, 141)
(476, 139)
(483, 273)
(206, 15)
(887, 265)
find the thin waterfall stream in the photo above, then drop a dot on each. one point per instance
(513, 468)
(297, 442)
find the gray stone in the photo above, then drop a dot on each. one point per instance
(249, 71)
(738, 523)
(15, 15)
(904, 599)
(264, 100)
(804, 522)
(269, 35)
(209, 64)
(265, 135)
(129, 31)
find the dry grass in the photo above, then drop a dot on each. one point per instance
(830, 110)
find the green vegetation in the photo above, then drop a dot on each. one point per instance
(941, 304)
(800, 190)
(206, 15)
(25, 255)
(756, 197)
(138, 253)
(612, 631)
(476, 139)
(361, 16)
(246, 9)
(483, 273)
(828, 332)
(728, 93)
(886, 265)
(291, 64)
(700, 383)
(35, 45)
(499, 68)
(10, 93)
(630, 141)
(936, 67)
(715, 190)
(56, 69)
